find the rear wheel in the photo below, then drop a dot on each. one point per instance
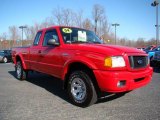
(5, 60)
(81, 89)
(21, 74)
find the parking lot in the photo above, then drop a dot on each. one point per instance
(41, 97)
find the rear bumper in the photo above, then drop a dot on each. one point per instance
(108, 80)
(1, 58)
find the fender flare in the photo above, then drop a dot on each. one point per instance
(77, 59)
(22, 60)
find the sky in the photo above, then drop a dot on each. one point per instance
(137, 18)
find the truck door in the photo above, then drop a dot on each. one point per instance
(34, 51)
(49, 56)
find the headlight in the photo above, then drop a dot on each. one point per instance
(115, 61)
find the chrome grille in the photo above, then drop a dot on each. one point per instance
(138, 61)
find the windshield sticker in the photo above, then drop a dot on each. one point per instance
(82, 36)
(67, 30)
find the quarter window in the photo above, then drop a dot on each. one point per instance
(37, 38)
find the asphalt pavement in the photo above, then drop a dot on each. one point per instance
(41, 97)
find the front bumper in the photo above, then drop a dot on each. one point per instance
(108, 80)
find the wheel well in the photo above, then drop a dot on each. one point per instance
(80, 66)
(4, 57)
(18, 58)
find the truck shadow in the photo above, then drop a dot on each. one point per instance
(49, 83)
(54, 86)
(109, 97)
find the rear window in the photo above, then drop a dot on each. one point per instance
(1, 52)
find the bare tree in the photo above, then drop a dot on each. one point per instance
(57, 15)
(27, 32)
(97, 13)
(34, 30)
(104, 28)
(78, 18)
(4, 36)
(151, 41)
(4, 43)
(67, 17)
(87, 24)
(140, 42)
(31, 31)
(14, 34)
(47, 22)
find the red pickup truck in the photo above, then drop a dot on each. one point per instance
(86, 66)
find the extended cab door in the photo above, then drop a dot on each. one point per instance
(34, 50)
(49, 56)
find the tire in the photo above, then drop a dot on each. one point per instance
(152, 64)
(21, 74)
(81, 89)
(5, 60)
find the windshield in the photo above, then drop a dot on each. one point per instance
(157, 48)
(77, 35)
(1, 52)
(148, 48)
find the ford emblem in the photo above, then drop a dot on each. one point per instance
(140, 62)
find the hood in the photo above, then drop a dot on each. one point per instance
(103, 48)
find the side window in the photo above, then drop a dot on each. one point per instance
(51, 34)
(37, 38)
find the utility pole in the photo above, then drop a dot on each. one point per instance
(155, 4)
(115, 25)
(22, 27)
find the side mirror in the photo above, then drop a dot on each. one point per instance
(53, 42)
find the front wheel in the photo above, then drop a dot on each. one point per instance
(81, 89)
(21, 74)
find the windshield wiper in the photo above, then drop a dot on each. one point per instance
(96, 42)
(91, 42)
(79, 42)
